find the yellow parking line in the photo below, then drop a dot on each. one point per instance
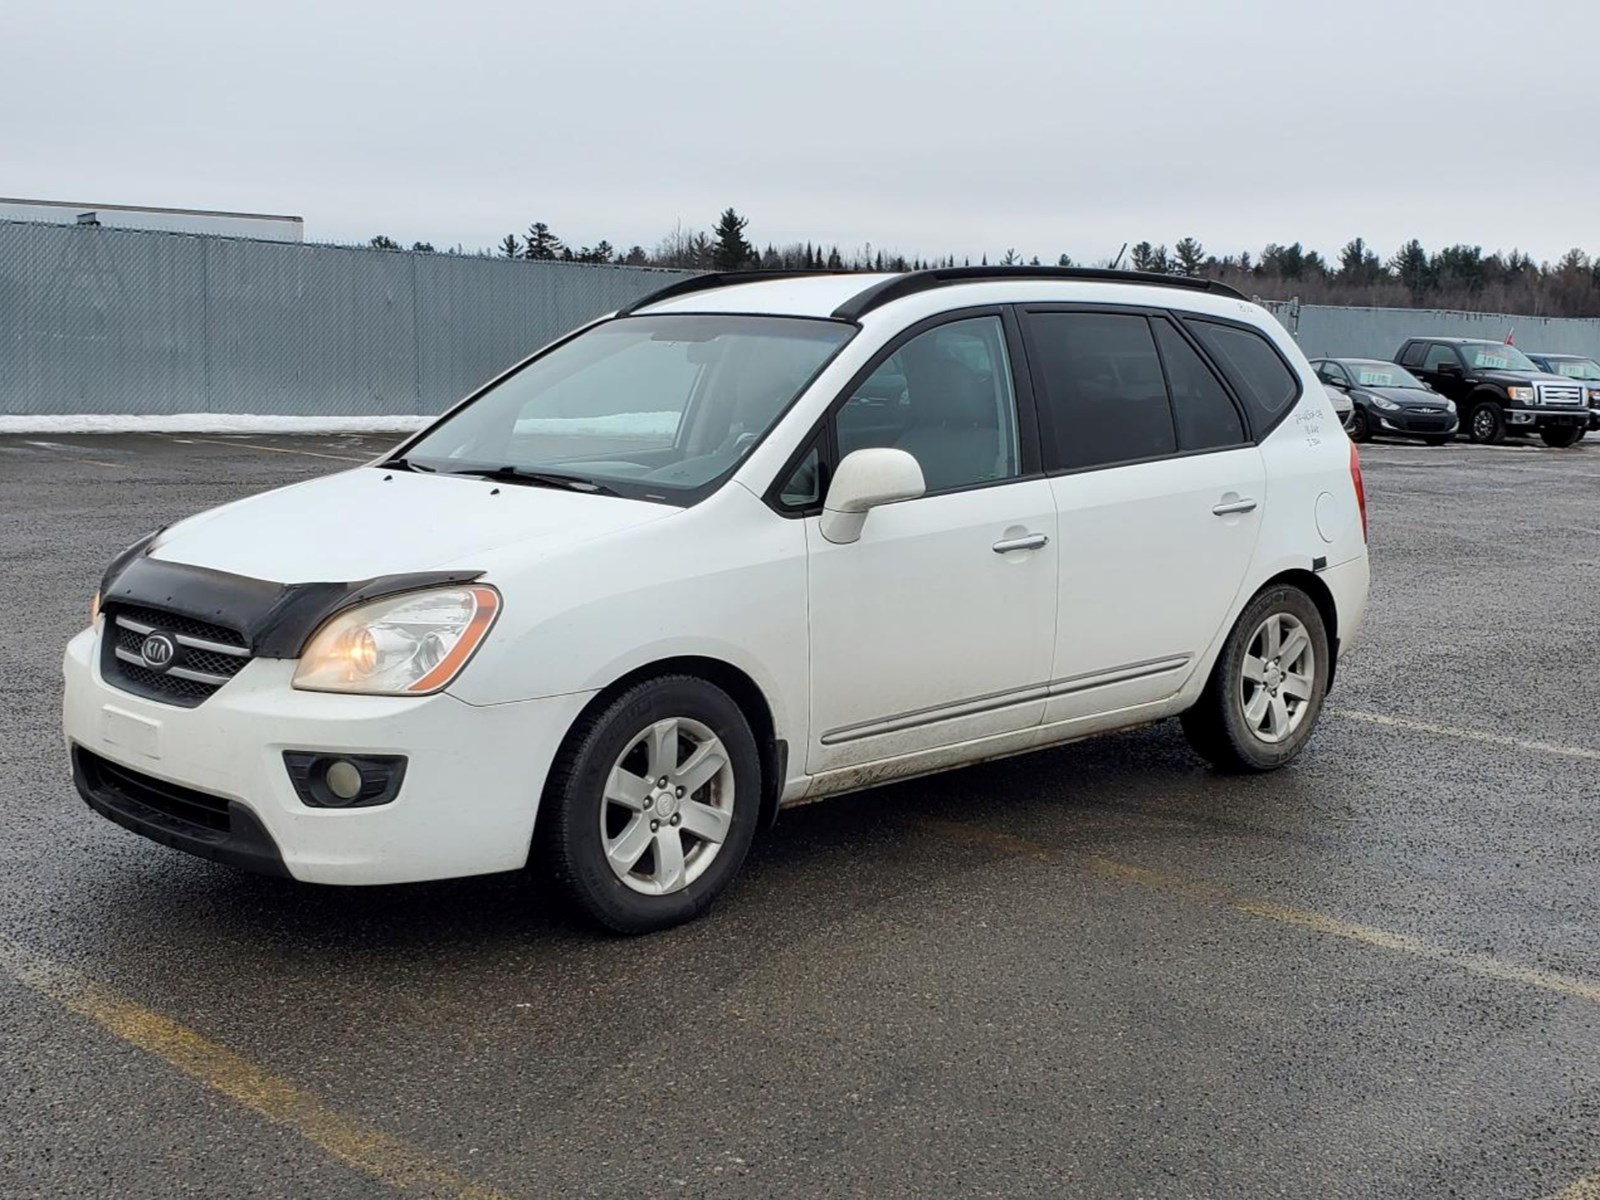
(1463, 960)
(280, 1101)
(280, 450)
(1587, 1188)
(1471, 735)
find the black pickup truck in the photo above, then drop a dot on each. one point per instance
(1498, 390)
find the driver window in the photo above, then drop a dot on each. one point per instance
(1438, 356)
(945, 398)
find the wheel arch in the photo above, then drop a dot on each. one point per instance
(744, 691)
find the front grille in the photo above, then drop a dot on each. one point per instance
(1555, 393)
(170, 805)
(204, 656)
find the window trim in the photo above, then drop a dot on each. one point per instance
(1175, 317)
(822, 433)
(1261, 433)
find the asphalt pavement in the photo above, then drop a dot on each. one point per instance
(1099, 971)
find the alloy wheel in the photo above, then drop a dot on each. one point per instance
(668, 805)
(1278, 678)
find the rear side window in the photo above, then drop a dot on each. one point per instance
(1413, 354)
(1103, 391)
(1206, 417)
(1257, 371)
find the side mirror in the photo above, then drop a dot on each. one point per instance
(864, 480)
(1342, 384)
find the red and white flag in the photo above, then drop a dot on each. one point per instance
(1511, 338)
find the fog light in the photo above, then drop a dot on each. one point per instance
(344, 780)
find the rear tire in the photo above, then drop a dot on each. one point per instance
(1266, 689)
(652, 804)
(1562, 438)
(1486, 425)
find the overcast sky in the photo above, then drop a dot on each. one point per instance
(927, 126)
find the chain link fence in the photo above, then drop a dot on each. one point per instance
(111, 321)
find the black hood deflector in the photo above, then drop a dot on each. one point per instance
(276, 619)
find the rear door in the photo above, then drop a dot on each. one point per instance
(1159, 494)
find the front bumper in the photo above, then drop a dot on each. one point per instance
(1548, 418)
(467, 806)
(1407, 423)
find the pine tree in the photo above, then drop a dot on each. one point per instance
(1190, 256)
(384, 242)
(542, 244)
(732, 252)
(508, 247)
(1410, 265)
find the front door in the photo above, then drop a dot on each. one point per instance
(937, 626)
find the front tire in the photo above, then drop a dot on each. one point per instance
(1360, 426)
(1486, 425)
(1563, 437)
(652, 805)
(1266, 690)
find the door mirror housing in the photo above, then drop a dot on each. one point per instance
(864, 480)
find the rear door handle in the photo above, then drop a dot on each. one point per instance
(1033, 541)
(1234, 506)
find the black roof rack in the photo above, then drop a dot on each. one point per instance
(704, 283)
(921, 281)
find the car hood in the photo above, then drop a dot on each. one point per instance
(369, 522)
(1523, 378)
(1406, 397)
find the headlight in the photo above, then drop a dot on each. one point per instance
(1449, 406)
(1523, 395)
(1385, 403)
(1594, 395)
(404, 645)
(94, 610)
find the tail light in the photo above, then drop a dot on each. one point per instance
(1361, 491)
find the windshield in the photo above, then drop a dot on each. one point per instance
(653, 407)
(1576, 368)
(1491, 356)
(1382, 374)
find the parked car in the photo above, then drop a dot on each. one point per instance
(1498, 389)
(746, 543)
(1388, 399)
(1575, 366)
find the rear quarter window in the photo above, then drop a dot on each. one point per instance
(1258, 373)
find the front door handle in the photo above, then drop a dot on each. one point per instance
(1231, 507)
(1032, 541)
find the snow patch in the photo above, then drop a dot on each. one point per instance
(207, 423)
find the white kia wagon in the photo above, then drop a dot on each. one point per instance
(752, 541)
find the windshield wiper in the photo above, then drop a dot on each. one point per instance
(405, 464)
(568, 483)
